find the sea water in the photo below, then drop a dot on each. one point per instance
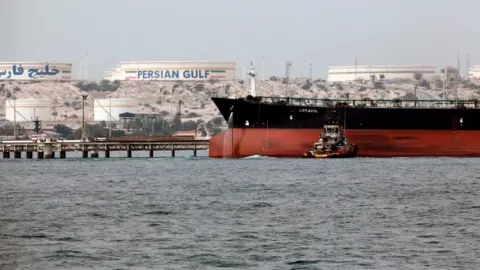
(251, 213)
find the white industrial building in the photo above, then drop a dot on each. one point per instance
(351, 73)
(171, 71)
(474, 72)
(108, 110)
(28, 110)
(32, 71)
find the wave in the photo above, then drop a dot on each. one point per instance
(256, 157)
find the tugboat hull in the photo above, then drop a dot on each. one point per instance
(352, 152)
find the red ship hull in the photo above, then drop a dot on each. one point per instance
(371, 143)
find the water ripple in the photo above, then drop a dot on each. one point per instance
(254, 213)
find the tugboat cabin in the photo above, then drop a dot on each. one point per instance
(331, 131)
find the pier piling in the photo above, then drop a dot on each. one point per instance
(46, 150)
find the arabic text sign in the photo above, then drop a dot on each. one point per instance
(178, 74)
(49, 71)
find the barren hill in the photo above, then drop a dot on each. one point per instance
(156, 97)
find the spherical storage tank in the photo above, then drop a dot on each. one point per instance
(109, 109)
(28, 110)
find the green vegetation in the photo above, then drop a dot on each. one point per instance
(378, 85)
(361, 89)
(199, 87)
(321, 86)
(138, 127)
(472, 86)
(424, 83)
(307, 86)
(417, 76)
(104, 86)
(217, 121)
(438, 84)
(98, 130)
(409, 96)
(8, 130)
(192, 115)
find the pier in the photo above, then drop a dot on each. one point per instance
(49, 149)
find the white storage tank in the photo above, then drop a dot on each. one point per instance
(28, 110)
(110, 108)
(350, 73)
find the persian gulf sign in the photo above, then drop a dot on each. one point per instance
(191, 74)
(173, 71)
(35, 71)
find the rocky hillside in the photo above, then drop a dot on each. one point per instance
(163, 97)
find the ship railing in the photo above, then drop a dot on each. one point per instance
(375, 103)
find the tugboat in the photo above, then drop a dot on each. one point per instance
(332, 144)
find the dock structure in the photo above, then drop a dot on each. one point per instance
(47, 150)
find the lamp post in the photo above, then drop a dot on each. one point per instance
(311, 79)
(196, 127)
(153, 128)
(15, 133)
(415, 93)
(84, 97)
(287, 76)
(153, 120)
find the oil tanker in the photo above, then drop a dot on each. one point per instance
(287, 127)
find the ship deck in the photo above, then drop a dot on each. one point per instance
(369, 103)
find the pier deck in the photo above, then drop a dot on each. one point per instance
(48, 149)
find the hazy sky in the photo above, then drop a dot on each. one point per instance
(322, 32)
